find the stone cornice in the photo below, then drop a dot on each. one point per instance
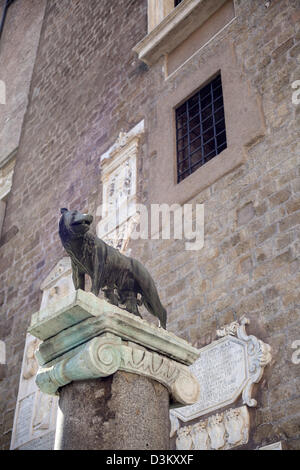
(175, 28)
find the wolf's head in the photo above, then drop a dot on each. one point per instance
(73, 224)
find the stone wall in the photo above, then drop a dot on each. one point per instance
(87, 86)
(18, 48)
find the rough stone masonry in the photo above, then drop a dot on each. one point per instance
(87, 85)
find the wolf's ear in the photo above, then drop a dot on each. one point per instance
(62, 211)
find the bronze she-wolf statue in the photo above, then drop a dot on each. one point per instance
(120, 278)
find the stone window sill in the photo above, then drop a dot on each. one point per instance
(175, 28)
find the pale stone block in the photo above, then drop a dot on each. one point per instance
(157, 11)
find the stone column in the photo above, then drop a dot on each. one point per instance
(115, 374)
(122, 411)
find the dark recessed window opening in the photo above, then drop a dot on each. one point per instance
(200, 128)
(176, 2)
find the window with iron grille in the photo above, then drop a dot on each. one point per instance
(200, 128)
(176, 2)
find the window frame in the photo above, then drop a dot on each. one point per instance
(240, 99)
(204, 157)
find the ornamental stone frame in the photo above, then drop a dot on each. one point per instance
(227, 368)
(119, 193)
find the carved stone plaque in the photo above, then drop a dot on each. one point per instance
(119, 188)
(23, 422)
(35, 415)
(222, 373)
(226, 369)
(221, 431)
(57, 284)
(44, 442)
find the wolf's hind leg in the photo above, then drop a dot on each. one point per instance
(129, 299)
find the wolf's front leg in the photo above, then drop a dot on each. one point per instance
(78, 277)
(95, 289)
(98, 269)
(96, 282)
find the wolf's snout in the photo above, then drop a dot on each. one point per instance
(88, 218)
(82, 219)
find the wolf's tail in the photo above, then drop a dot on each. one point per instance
(159, 312)
(149, 292)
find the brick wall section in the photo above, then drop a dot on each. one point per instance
(250, 261)
(87, 86)
(77, 106)
(18, 48)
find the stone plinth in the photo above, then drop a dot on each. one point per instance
(115, 374)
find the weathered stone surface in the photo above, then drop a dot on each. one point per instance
(104, 355)
(81, 316)
(35, 414)
(76, 358)
(79, 102)
(101, 420)
(246, 213)
(227, 368)
(221, 431)
(25, 22)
